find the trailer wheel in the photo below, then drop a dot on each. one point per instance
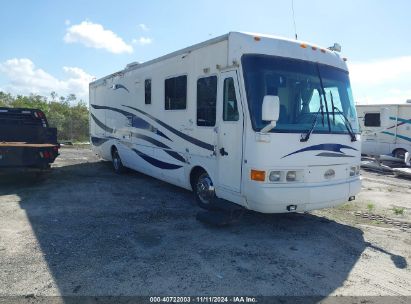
(399, 153)
(117, 164)
(204, 191)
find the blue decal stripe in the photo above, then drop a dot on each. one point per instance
(157, 163)
(100, 124)
(401, 119)
(175, 155)
(161, 145)
(98, 141)
(120, 86)
(399, 136)
(324, 147)
(190, 139)
(136, 122)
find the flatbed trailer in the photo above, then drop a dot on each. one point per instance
(26, 140)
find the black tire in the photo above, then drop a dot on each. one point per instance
(399, 153)
(117, 163)
(204, 191)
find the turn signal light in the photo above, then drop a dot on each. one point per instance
(257, 175)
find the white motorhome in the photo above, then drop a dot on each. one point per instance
(377, 139)
(264, 122)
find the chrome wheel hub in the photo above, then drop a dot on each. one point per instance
(116, 162)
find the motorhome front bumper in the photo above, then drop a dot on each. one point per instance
(269, 198)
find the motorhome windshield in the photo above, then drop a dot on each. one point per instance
(298, 85)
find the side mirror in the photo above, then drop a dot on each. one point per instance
(385, 117)
(270, 111)
(271, 108)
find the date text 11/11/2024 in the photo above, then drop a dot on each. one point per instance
(203, 299)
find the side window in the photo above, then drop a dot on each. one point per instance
(372, 120)
(175, 96)
(147, 91)
(206, 101)
(230, 109)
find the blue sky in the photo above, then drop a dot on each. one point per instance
(46, 45)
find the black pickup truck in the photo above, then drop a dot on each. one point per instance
(26, 141)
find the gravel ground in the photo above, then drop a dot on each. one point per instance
(87, 231)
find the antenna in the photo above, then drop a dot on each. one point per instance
(295, 26)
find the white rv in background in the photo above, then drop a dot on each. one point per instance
(395, 138)
(264, 122)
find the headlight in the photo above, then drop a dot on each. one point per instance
(275, 176)
(291, 176)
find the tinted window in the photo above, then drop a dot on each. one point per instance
(147, 91)
(206, 101)
(303, 87)
(230, 109)
(176, 93)
(372, 120)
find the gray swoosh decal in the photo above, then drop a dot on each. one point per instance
(330, 154)
(136, 122)
(188, 138)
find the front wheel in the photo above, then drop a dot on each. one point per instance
(204, 191)
(399, 153)
(117, 164)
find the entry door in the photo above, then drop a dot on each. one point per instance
(230, 133)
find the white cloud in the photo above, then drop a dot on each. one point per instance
(95, 36)
(67, 22)
(382, 81)
(24, 78)
(143, 27)
(142, 41)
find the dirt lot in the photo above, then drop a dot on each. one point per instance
(88, 231)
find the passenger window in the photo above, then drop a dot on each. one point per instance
(372, 120)
(176, 93)
(147, 91)
(206, 101)
(230, 109)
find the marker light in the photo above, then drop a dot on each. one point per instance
(256, 38)
(257, 175)
(275, 176)
(291, 176)
(303, 45)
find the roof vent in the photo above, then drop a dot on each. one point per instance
(132, 64)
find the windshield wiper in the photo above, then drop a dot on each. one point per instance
(325, 97)
(332, 104)
(306, 136)
(347, 124)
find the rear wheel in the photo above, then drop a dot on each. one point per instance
(399, 153)
(117, 164)
(204, 191)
